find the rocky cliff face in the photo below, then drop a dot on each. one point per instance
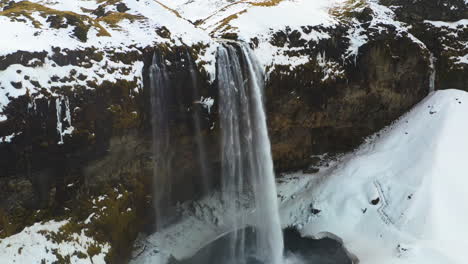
(443, 27)
(75, 108)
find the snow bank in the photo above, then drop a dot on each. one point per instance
(294, 14)
(35, 245)
(399, 198)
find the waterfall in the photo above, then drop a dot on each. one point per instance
(159, 85)
(162, 89)
(433, 70)
(197, 113)
(247, 166)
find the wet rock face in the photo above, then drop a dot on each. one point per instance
(448, 45)
(306, 115)
(419, 10)
(310, 117)
(436, 24)
(111, 140)
(186, 89)
(33, 143)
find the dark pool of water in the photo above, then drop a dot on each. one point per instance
(303, 249)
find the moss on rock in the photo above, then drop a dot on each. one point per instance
(57, 18)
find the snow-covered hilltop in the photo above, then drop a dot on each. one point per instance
(49, 44)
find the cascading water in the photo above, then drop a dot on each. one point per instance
(162, 90)
(247, 166)
(159, 85)
(202, 159)
(432, 76)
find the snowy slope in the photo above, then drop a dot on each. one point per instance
(36, 244)
(399, 198)
(197, 10)
(18, 35)
(260, 19)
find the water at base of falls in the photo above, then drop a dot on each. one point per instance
(247, 166)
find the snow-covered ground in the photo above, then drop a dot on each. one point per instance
(399, 198)
(18, 35)
(35, 244)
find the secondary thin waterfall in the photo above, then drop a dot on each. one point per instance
(197, 113)
(159, 85)
(247, 166)
(432, 76)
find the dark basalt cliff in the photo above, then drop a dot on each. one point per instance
(308, 117)
(446, 40)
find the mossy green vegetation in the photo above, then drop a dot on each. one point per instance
(13, 222)
(7, 226)
(113, 18)
(122, 104)
(224, 24)
(112, 218)
(115, 218)
(267, 3)
(347, 10)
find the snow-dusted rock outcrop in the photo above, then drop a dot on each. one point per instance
(442, 26)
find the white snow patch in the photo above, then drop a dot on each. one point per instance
(207, 103)
(294, 14)
(451, 25)
(462, 59)
(32, 246)
(7, 139)
(90, 217)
